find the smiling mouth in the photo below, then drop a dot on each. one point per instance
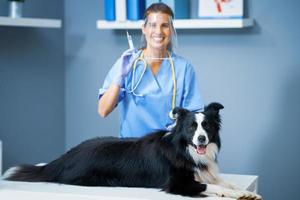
(200, 149)
(158, 38)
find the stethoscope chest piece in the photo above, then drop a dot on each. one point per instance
(171, 115)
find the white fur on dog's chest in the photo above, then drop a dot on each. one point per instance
(209, 174)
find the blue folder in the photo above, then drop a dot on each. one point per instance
(109, 10)
(135, 9)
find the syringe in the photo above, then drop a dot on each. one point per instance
(130, 43)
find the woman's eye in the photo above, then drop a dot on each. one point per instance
(164, 26)
(167, 25)
(152, 25)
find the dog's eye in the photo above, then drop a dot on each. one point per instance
(204, 124)
(193, 126)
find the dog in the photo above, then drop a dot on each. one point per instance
(181, 161)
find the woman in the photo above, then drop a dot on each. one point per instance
(145, 104)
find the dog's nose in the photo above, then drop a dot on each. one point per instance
(201, 138)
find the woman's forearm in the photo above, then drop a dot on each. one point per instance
(108, 101)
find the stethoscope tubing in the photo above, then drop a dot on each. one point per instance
(134, 87)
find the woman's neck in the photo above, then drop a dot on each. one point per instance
(154, 58)
(155, 54)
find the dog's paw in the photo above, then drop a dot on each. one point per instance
(243, 195)
(221, 191)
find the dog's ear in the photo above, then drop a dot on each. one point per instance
(179, 112)
(216, 107)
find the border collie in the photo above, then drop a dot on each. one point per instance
(182, 161)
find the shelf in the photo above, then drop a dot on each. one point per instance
(182, 24)
(30, 22)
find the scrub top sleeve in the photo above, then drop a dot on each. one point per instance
(108, 81)
(192, 99)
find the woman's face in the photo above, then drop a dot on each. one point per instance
(158, 31)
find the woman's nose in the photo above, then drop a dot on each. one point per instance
(158, 29)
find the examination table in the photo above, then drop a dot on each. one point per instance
(10, 190)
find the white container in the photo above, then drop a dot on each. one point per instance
(15, 9)
(221, 9)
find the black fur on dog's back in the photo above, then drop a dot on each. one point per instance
(158, 160)
(124, 162)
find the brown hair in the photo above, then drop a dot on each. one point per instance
(158, 7)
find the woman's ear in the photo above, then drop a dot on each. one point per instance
(143, 28)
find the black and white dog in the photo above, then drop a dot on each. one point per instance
(182, 161)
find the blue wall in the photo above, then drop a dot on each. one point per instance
(253, 72)
(32, 125)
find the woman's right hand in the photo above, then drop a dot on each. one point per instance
(108, 101)
(124, 65)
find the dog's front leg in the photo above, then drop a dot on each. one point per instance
(221, 191)
(191, 189)
(227, 184)
(213, 178)
(183, 183)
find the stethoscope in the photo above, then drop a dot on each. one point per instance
(134, 87)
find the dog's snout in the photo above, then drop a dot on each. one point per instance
(201, 138)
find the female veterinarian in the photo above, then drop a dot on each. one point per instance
(148, 83)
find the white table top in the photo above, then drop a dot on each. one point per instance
(51, 191)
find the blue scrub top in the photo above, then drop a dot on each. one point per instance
(141, 115)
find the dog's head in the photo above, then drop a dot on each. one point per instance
(198, 130)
